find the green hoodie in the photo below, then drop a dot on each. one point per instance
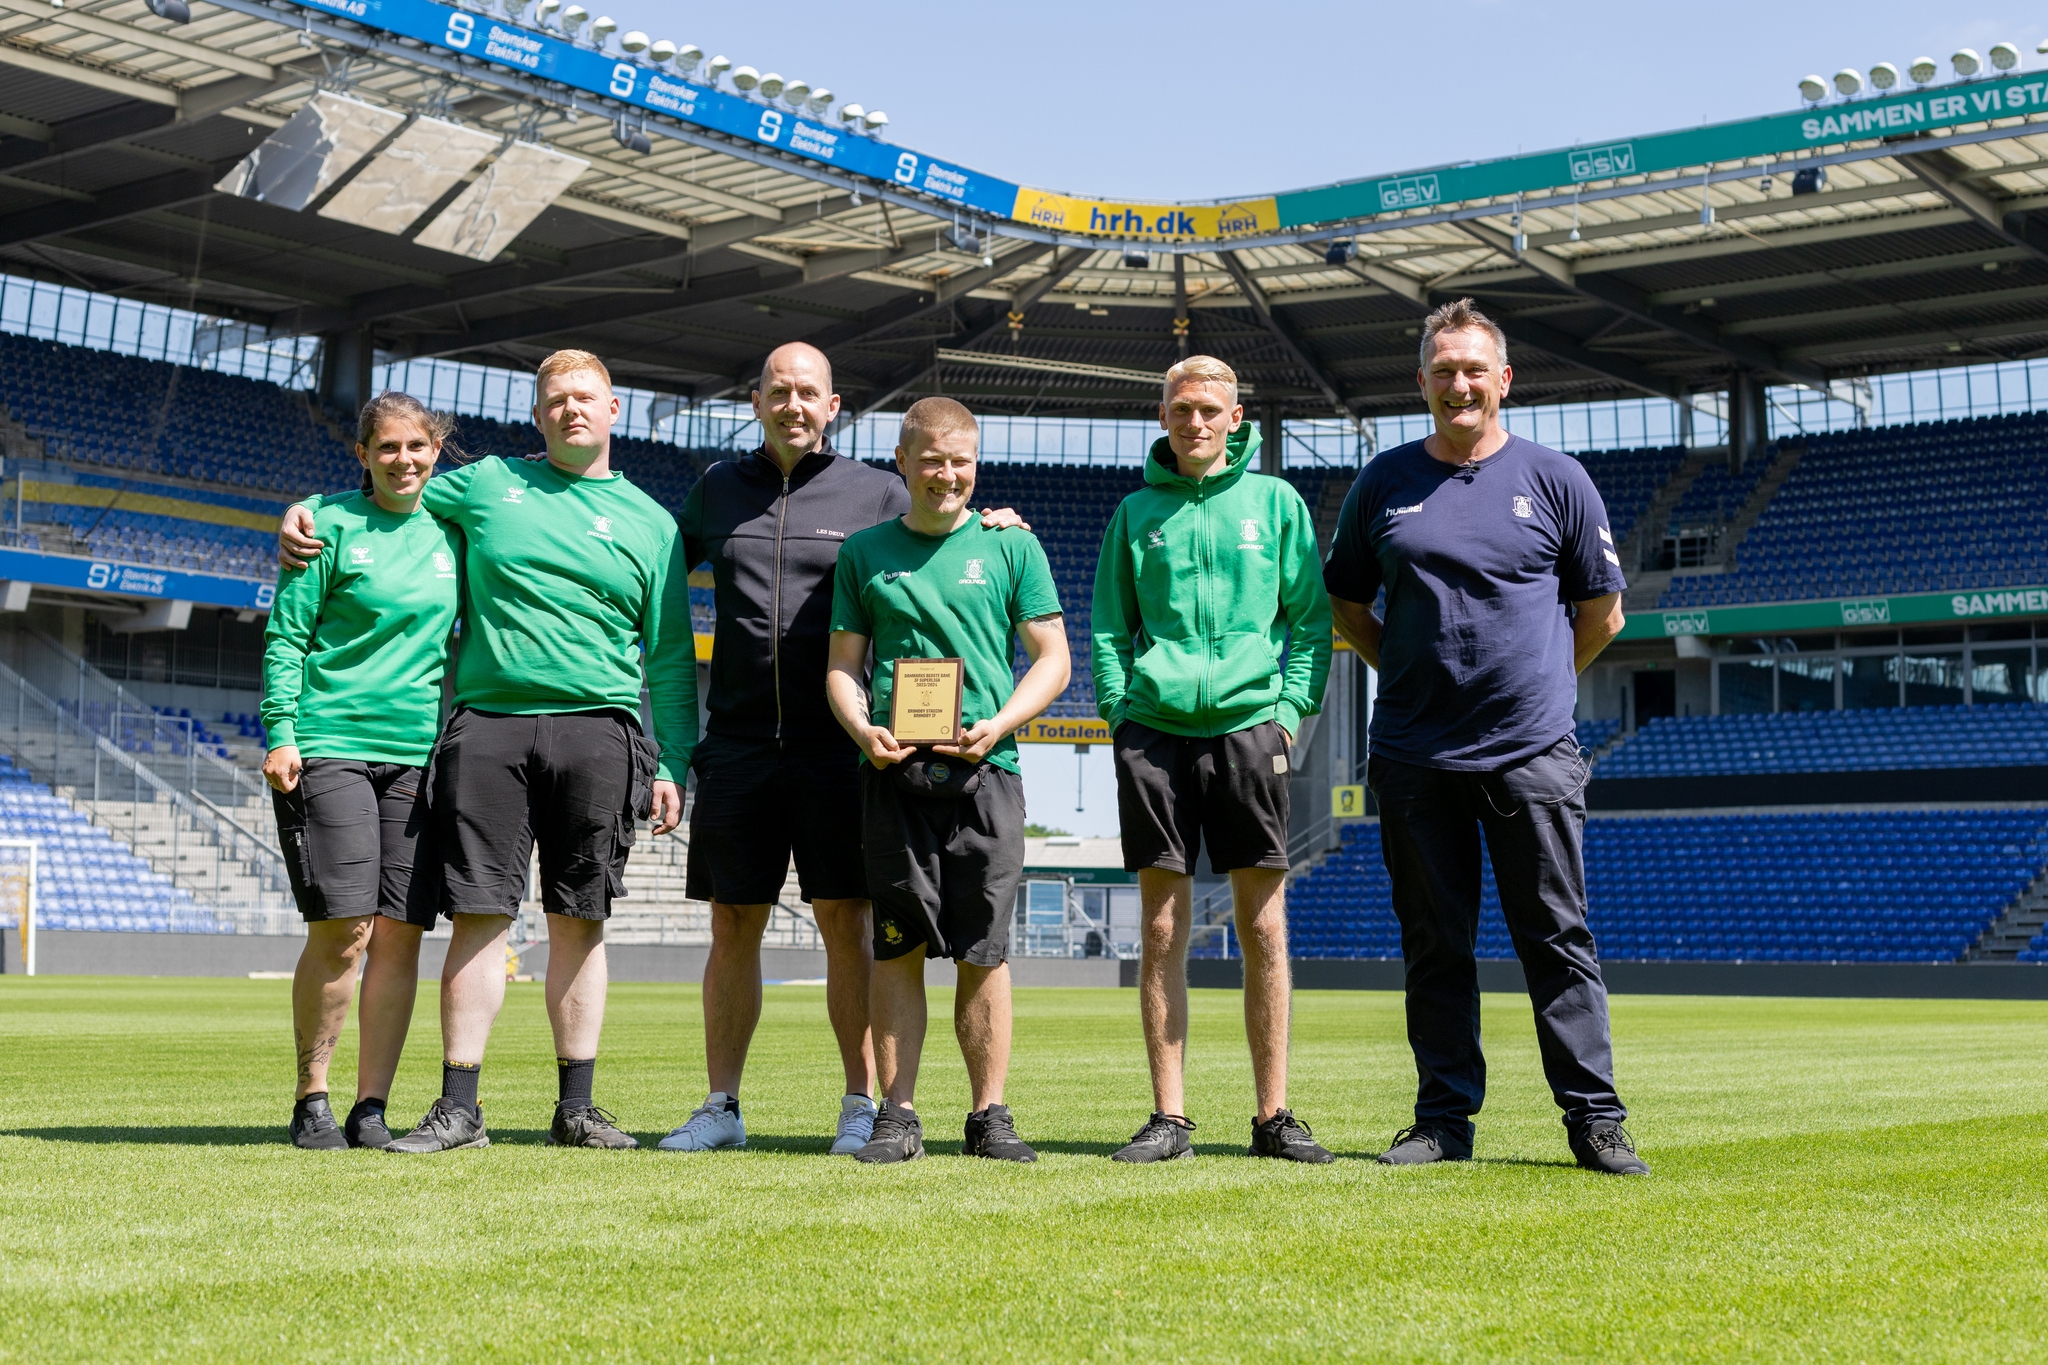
(1199, 590)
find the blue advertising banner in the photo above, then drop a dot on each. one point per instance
(642, 85)
(135, 580)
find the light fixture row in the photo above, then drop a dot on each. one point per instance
(1849, 82)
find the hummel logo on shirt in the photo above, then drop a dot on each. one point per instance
(891, 575)
(513, 495)
(1156, 539)
(360, 554)
(601, 527)
(1404, 511)
(1605, 536)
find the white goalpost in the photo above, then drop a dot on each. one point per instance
(18, 885)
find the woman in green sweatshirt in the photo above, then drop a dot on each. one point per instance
(352, 668)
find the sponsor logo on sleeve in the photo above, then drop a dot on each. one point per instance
(1605, 536)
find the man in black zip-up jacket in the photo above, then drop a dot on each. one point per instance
(776, 775)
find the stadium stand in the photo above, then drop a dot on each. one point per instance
(1629, 481)
(1926, 508)
(1849, 886)
(1834, 741)
(86, 879)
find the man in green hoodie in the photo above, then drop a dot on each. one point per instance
(1212, 641)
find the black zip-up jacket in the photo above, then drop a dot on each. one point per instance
(772, 545)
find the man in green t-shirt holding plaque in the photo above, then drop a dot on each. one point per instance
(943, 822)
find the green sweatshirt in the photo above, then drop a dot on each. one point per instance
(1201, 589)
(572, 587)
(358, 639)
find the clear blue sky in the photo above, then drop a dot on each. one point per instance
(1205, 100)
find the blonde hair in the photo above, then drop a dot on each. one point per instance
(569, 362)
(1461, 315)
(931, 418)
(1200, 369)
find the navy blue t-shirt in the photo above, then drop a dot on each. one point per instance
(1478, 562)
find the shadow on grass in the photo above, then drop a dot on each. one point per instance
(221, 1136)
(1550, 1164)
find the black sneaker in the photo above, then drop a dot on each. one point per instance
(993, 1134)
(313, 1126)
(1419, 1144)
(365, 1126)
(1163, 1138)
(449, 1126)
(898, 1136)
(1605, 1146)
(1288, 1138)
(588, 1126)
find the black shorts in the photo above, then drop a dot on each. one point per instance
(574, 783)
(358, 840)
(1172, 791)
(944, 872)
(761, 802)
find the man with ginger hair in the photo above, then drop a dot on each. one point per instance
(943, 825)
(1212, 641)
(575, 594)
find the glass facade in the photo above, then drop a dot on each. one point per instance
(1856, 670)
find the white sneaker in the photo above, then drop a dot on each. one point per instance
(856, 1125)
(710, 1128)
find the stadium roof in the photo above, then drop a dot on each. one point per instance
(1924, 242)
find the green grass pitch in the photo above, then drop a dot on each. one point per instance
(1835, 1180)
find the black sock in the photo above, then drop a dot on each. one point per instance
(575, 1078)
(458, 1082)
(307, 1099)
(369, 1104)
(732, 1103)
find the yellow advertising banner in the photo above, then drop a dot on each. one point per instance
(1145, 222)
(1065, 730)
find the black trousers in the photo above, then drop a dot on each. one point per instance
(1534, 819)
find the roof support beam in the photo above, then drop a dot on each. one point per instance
(84, 21)
(109, 206)
(1939, 174)
(1285, 334)
(1545, 338)
(878, 320)
(78, 74)
(581, 316)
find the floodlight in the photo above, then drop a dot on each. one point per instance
(2041, 46)
(1922, 70)
(1137, 258)
(178, 12)
(795, 92)
(2004, 56)
(851, 115)
(544, 10)
(1966, 62)
(718, 66)
(1812, 180)
(821, 100)
(1340, 252)
(574, 18)
(745, 78)
(631, 138)
(771, 85)
(1812, 89)
(875, 121)
(1848, 81)
(1884, 76)
(661, 51)
(687, 57)
(633, 42)
(602, 27)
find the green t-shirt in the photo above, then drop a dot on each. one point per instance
(571, 587)
(943, 597)
(358, 640)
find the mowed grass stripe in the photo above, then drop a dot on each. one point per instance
(1855, 1179)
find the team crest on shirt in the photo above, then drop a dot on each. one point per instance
(514, 494)
(973, 571)
(601, 527)
(1523, 507)
(360, 555)
(1249, 528)
(444, 564)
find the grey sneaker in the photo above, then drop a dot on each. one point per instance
(449, 1126)
(1163, 1138)
(313, 1126)
(898, 1136)
(992, 1133)
(1288, 1138)
(588, 1126)
(365, 1126)
(1605, 1146)
(1419, 1144)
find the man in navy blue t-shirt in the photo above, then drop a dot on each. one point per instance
(1502, 584)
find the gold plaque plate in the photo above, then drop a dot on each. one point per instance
(924, 701)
